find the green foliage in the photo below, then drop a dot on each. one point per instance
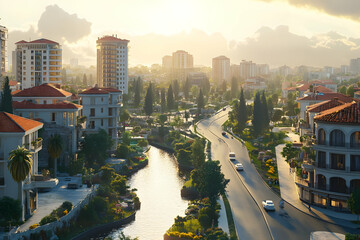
(119, 185)
(126, 138)
(96, 146)
(76, 166)
(137, 91)
(162, 118)
(264, 107)
(170, 99)
(48, 219)
(184, 157)
(291, 106)
(200, 101)
(107, 174)
(148, 105)
(122, 151)
(176, 89)
(241, 113)
(234, 87)
(10, 210)
(350, 236)
(197, 153)
(67, 206)
(163, 100)
(55, 147)
(20, 164)
(350, 91)
(343, 90)
(354, 202)
(142, 143)
(258, 115)
(6, 97)
(289, 152)
(99, 204)
(186, 88)
(277, 115)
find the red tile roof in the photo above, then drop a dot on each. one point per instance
(12, 123)
(13, 83)
(303, 87)
(111, 39)
(58, 105)
(322, 106)
(348, 113)
(41, 40)
(96, 90)
(44, 90)
(326, 96)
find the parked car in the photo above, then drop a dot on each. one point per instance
(224, 108)
(239, 167)
(268, 205)
(223, 133)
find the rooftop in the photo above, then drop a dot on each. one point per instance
(44, 90)
(325, 105)
(13, 123)
(348, 113)
(97, 90)
(58, 105)
(326, 96)
(41, 41)
(109, 38)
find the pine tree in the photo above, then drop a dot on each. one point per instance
(6, 98)
(200, 101)
(148, 105)
(186, 88)
(234, 87)
(242, 114)
(137, 95)
(163, 100)
(176, 89)
(265, 112)
(257, 115)
(205, 85)
(170, 98)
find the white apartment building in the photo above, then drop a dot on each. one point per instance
(247, 69)
(167, 62)
(3, 50)
(37, 62)
(221, 69)
(182, 59)
(18, 131)
(52, 106)
(354, 66)
(112, 63)
(102, 109)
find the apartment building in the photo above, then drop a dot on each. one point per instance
(335, 173)
(3, 50)
(18, 131)
(102, 110)
(112, 63)
(37, 62)
(53, 107)
(221, 69)
(247, 69)
(354, 66)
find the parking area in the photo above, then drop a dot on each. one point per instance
(48, 201)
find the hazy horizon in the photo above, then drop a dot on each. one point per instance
(277, 32)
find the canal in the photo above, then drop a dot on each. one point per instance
(158, 186)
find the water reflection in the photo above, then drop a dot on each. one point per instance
(159, 191)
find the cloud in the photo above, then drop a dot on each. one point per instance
(341, 8)
(279, 46)
(59, 24)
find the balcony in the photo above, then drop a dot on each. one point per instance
(308, 165)
(40, 182)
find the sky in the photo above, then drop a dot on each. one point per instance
(278, 32)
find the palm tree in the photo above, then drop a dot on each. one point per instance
(20, 165)
(55, 149)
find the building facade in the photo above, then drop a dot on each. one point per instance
(18, 131)
(221, 69)
(112, 63)
(247, 69)
(335, 173)
(37, 62)
(3, 50)
(102, 109)
(354, 66)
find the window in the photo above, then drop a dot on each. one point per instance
(31, 115)
(355, 163)
(92, 112)
(91, 124)
(338, 161)
(102, 110)
(355, 140)
(92, 100)
(321, 159)
(53, 117)
(337, 138)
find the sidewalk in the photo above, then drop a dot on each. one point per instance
(289, 192)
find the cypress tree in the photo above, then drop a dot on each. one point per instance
(234, 87)
(148, 105)
(137, 96)
(176, 89)
(163, 100)
(170, 98)
(186, 88)
(200, 101)
(265, 112)
(242, 114)
(6, 98)
(257, 115)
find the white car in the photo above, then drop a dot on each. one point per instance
(268, 205)
(239, 167)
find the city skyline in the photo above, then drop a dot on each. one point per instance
(245, 30)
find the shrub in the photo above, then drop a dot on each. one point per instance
(67, 206)
(48, 219)
(34, 226)
(99, 204)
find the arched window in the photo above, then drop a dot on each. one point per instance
(338, 184)
(321, 182)
(321, 137)
(337, 138)
(355, 140)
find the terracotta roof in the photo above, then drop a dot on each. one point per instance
(41, 40)
(58, 105)
(325, 81)
(44, 90)
(348, 113)
(303, 87)
(15, 92)
(322, 106)
(111, 39)
(96, 90)
(12, 123)
(321, 89)
(326, 96)
(13, 83)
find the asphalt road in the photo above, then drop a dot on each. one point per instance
(246, 191)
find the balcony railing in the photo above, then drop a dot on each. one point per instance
(36, 144)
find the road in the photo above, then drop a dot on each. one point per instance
(246, 191)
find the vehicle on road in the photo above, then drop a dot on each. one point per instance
(232, 156)
(223, 133)
(239, 167)
(224, 108)
(268, 205)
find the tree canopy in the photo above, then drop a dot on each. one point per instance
(148, 105)
(170, 99)
(6, 98)
(96, 146)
